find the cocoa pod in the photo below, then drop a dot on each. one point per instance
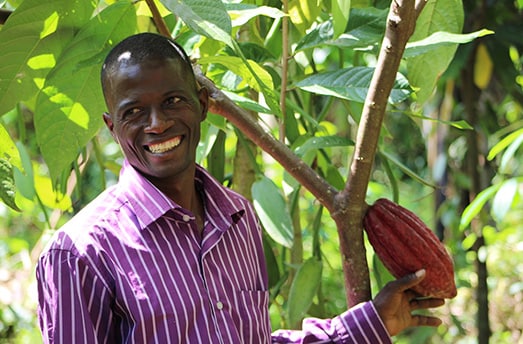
(405, 244)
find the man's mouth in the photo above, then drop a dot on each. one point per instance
(165, 146)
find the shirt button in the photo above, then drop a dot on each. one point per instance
(186, 218)
(219, 305)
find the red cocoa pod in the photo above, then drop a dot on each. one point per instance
(405, 244)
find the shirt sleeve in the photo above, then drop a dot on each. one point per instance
(73, 301)
(360, 324)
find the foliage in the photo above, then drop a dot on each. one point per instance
(55, 158)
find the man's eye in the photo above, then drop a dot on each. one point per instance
(132, 112)
(173, 100)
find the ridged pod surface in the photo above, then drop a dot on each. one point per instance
(405, 244)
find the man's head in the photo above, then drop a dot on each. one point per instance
(155, 106)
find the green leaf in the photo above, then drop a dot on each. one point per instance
(236, 65)
(365, 29)
(68, 111)
(504, 143)
(319, 142)
(242, 13)
(473, 209)
(303, 13)
(246, 103)
(8, 150)
(508, 157)
(304, 286)
(7, 184)
(440, 39)
(31, 41)
(24, 182)
(272, 211)
(208, 18)
(461, 124)
(424, 70)
(273, 270)
(352, 84)
(502, 201)
(405, 169)
(340, 15)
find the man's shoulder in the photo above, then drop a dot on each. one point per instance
(85, 227)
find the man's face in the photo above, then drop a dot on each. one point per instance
(155, 115)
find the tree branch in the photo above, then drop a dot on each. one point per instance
(304, 174)
(350, 203)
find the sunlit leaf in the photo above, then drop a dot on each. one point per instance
(242, 13)
(502, 201)
(352, 84)
(8, 150)
(303, 13)
(272, 211)
(208, 18)
(441, 39)
(7, 184)
(33, 36)
(304, 286)
(236, 65)
(473, 209)
(68, 111)
(504, 143)
(49, 196)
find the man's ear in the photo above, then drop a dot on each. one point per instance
(203, 96)
(109, 124)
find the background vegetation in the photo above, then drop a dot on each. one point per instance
(448, 149)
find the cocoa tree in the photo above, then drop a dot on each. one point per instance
(58, 46)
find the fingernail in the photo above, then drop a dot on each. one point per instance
(420, 273)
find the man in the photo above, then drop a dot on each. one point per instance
(168, 254)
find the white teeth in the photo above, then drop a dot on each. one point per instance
(165, 146)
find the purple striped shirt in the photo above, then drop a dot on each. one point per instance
(132, 268)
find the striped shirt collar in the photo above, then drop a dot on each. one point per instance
(139, 191)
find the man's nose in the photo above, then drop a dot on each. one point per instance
(159, 122)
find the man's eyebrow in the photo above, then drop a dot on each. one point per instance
(126, 103)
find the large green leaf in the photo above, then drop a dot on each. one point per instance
(441, 39)
(68, 110)
(272, 211)
(365, 29)
(205, 17)
(303, 288)
(31, 41)
(424, 70)
(353, 84)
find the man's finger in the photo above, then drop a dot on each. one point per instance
(426, 303)
(409, 281)
(423, 320)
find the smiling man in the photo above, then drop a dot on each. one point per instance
(169, 255)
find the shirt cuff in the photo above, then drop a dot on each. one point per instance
(362, 324)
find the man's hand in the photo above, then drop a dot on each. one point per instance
(396, 301)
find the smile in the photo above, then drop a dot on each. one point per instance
(165, 146)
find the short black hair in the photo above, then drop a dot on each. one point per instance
(142, 47)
